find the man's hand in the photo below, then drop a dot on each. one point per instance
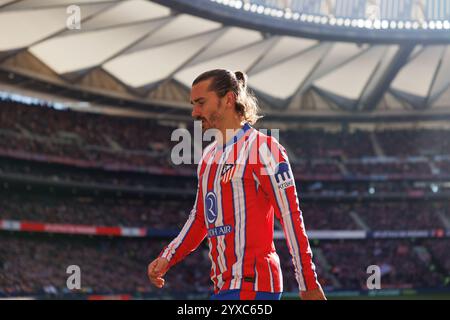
(156, 270)
(316, 294)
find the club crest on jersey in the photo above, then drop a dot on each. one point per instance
(283, 176)
(211, 207)
(227, 172)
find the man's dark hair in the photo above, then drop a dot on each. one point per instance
(224, 81)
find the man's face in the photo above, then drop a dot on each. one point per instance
(206, 106)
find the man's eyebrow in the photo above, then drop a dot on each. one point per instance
(197, 100)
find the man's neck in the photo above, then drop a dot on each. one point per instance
(229, 131)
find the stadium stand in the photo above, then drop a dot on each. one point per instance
(105, 140)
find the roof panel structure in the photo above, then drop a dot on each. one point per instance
(147, 48)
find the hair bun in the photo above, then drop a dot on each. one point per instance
(241, 77)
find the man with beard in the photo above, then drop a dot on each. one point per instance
(244, 180)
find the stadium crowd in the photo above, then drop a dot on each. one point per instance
(141, 142)
(398, 260)
(172, 214)
(36, 265)
(96, 211)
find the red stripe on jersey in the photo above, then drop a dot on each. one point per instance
(264, 278)
(228, 219)
(229, 210)
(276, 274)
(213, 167)
(252, 232)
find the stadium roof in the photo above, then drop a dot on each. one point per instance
(139, 49)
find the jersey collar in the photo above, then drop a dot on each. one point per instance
(238, 135)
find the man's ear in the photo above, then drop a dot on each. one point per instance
(230, 99)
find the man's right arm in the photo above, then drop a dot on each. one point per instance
(190, 237)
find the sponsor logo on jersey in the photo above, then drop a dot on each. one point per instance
(211, 207)
(283, 176)
(219, 231)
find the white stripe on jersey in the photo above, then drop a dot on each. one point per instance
(220, 282)
(172, 247)
(240, 211)
(291, 230)
(257, 181)
(237, 204)
(256, 278)
(219, 220)
(280, 273)
(205, 153)
(283, 204)
(213, 265)
(271, 276)
(205, 192)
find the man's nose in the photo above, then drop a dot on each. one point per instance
(196, 112)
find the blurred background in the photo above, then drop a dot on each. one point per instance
(91, 91)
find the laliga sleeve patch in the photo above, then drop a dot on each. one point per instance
(284, 176)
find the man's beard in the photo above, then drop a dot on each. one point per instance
(205, 123)
(214, 119)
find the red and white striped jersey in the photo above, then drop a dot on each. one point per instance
(241, 186)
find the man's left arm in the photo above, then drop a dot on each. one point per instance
(277, 181)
